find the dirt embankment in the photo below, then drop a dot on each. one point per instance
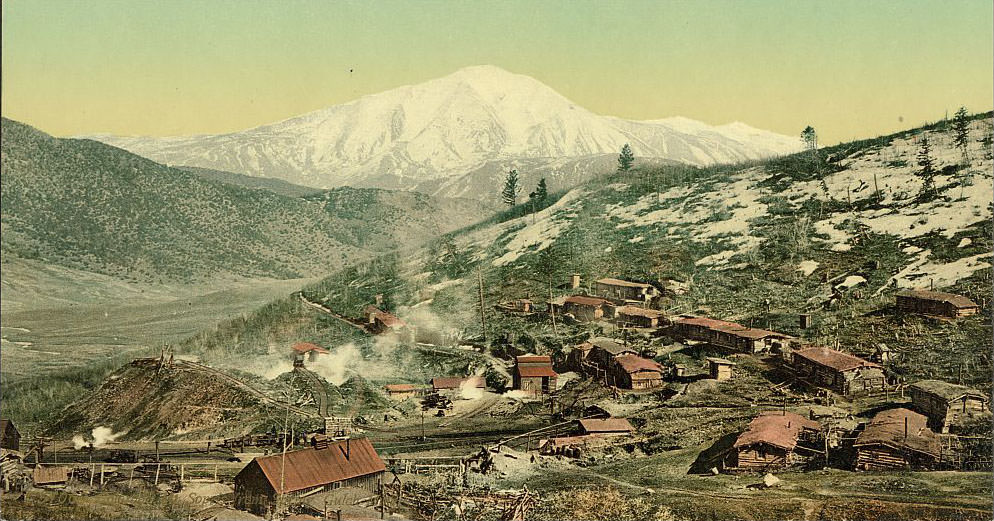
(143, 401)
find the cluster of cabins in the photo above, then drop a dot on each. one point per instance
(898, 438)
(615, 364)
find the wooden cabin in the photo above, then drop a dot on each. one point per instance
(534, 375)
(935, 303)
(579, 357)
(401, 391)
(897, 439)
(623, 290)
(10, 439)
(378, 321)
(51, 476)
(947, 405)
(606, 426)
(605, 350)
(584, 308)
(634, 372)
(730, 335)
(306, 352)
(720, 368)
(840, 372)
(635, 316)
(328, 465)
(771, 442)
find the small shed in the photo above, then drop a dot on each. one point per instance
(534, 375)
(946, 404)
(720, 368)
(585, 308)
(935, 303)
(346, 463)
(306, 352)
(624, 290)
(897, 439)
(770, 442)
(841, 372)
(10, 439)
(50, 476)
(634, 372)
(400, 391)
(606, 426)
(579, 356)
(638, 317)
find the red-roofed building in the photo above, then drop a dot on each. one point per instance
(306, 351)
(841, 372)
(346, 463)
(730, 334)
(624, 290)
(935, 303)
(771, 442)
(534, 375)
(606, 426)
(379, 321)
(586, 308)
(401, 391)
(634, 372)
(635, 316)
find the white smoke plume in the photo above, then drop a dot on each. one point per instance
(469, 391)
(100, 437)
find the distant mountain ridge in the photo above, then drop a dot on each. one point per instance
(421, 137)
(89, 206)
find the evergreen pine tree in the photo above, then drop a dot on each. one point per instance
(625, 159)
(927, 172)
(511, 188)
(961, 129)
(541, 191)
(810, 138)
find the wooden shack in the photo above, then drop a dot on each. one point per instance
(770, 442)
(623, 290)
(578, 358)
(379, 321)
(897, 439)
(306, 352)
(51, 476)
(635, 316)
(534, 375)
(947, 405)
(400, 391)
(585, 308)
(634, 372)
(606, 426)
(330, 465)
(10, 439)
(450, 383)
(840, 372)
(605, 350)
(935, 303)
(720, 368)
(730, 335)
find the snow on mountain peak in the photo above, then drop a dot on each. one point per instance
(445, 128)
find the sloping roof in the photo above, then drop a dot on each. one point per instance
(779, 429)
(533, 359)
(633, 363)
(887, 428)
(4, 424)
(43, 475)
(307, 347)
(593, 425)
(586, 301)
(625, 283)
(532, 371)
(455, 382)
(400, 388)
(732, 328)
(834, 359)
(388, 319)
(611, 346)
(312, 467)
(636, 311)
(720, 361)
(946, 390)
(958, 301)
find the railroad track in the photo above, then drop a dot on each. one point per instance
(317, 389)
(246, 387)
(330, 313)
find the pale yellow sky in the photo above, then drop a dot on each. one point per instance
(852, 69)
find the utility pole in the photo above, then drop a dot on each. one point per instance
(483, 315)
(552, 310)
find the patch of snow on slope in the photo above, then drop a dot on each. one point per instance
(807, 267)
(540, 234)
(941, 275)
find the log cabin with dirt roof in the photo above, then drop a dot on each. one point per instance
(948, 405)
(841, 372)
(586, 309)
(635, 316)
(730, 335)
(935, 303)
(897, 439)
(773, 440)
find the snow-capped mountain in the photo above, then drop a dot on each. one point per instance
(428, 135)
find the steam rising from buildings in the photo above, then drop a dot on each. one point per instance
(100, 436)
